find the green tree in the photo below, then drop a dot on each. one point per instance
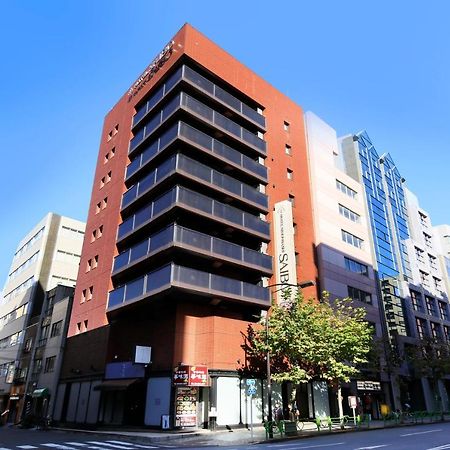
(309, 340)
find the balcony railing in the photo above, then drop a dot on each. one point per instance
(196, 281)
(193, 201)
(209, 115)
(201, 242)
(182, 164)
(191, 135)
(204, 85)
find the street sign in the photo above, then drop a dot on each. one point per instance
(353, 403)
(251, 382)
(251, 390)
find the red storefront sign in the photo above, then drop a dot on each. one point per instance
(191, 376)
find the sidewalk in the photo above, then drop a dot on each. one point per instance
(236, 436)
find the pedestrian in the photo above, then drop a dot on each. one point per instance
(278, 413)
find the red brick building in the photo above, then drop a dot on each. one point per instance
(192, 160)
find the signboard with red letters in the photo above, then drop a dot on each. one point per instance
(191, 376)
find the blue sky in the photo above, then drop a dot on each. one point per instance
(380, 66)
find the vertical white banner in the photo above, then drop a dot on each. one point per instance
(286, 271)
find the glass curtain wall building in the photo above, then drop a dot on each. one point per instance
(386, 207)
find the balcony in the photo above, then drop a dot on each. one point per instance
(193, 241)
(200, 204)
(188, 167)
(202, 141)
(207, 87)
(195, 282)
(203, 112)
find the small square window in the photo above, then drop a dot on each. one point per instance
(83, 296)
(78, 328)
(85, 325)
(50, 364)
(98, 207)
(290, 174)
(288, 150)
(292, 200)
(286, 126)
(109, 155)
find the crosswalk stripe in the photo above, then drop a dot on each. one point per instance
(26, 447)
(144, 446)
(93, 447)
(107, 444)
(78, 444)
(60, 446)
(441, 447)
(4, 448)
(134, 445)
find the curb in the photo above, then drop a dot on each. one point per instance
(132, 436)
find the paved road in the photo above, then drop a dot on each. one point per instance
(17, 439)
(425, 437)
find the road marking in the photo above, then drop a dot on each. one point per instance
(4, 448)
(420, 432)
(61, 447)
(309, 446)
(442, 447)
(93, 447)
(107, 444)
(134, 445)
(78, 444)
(373, 446)
(25, 447)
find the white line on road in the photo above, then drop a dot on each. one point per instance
(78, 444)
(60, 446)
(93, 447)
(373, 446)
(134, 445)
(4, 448)
(106, 444)
(26, 447)
(309, 446)
(441, 447)
(420, 432)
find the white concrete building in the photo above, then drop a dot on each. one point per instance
(342, 237)
(47, 256)
(442, 235)
(427, 309)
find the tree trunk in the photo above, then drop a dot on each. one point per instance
(339, 398)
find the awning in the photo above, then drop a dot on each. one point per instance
(116, 385)
(40, 393)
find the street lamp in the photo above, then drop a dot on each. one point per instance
(269, 383)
